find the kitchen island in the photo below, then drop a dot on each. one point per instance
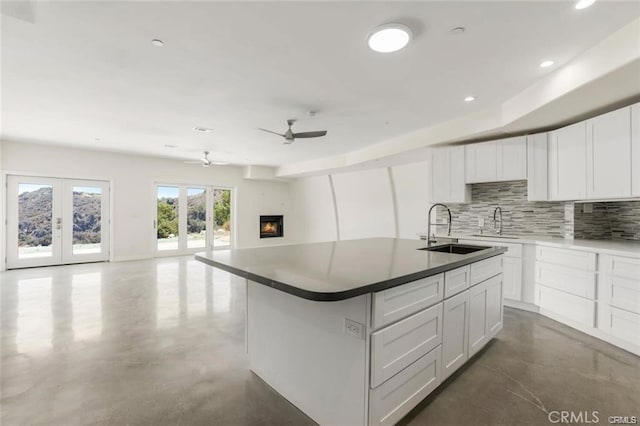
(359, 332)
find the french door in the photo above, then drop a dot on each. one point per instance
(191, 218)
(53, 221)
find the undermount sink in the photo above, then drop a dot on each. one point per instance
(454, 248)
(494, 236)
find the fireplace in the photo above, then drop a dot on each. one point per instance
(271, 226)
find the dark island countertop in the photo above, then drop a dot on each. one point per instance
(339, 270)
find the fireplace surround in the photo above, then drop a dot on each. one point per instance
(271, 226)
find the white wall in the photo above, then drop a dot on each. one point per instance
(133, 181)
(314, 214)
(411, 183)
(365, 204)
(389, 202)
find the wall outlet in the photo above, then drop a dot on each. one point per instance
(481, 222)
(354, 328)
(587, 208)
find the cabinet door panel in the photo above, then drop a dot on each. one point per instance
(481, 162)
(567, 161)
(635, 149)
(494, 306)
(537, 167)
(512, 159)
(477, 318)
(608, 155)
(454, 333)
(458, 191)
(512, 278)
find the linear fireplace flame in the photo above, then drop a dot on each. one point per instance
(271, 226)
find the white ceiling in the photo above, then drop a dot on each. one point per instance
(76, 71)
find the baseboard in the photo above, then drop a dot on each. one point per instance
(521, 305)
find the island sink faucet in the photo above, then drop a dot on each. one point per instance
(495, 225)
(429, 240)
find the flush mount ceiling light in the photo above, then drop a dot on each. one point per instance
(583, 4)
(202, 129)
(457, 30)
(157, 42)
(389, 38)
(545, 64)
(470, 99)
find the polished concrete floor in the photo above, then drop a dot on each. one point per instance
(161, 342)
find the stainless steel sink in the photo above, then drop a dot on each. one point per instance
(494, 236)
(454, 248)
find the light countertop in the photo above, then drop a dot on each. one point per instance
(614, 247)
(340, 270)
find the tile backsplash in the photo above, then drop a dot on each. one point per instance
(611, 220)
(562, 219)
(519, 215)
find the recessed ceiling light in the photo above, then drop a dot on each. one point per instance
(545, 64)
(470, 99)
(157, 42)
(389, 38)
(202, 129)
(583, 4)
(171, 146)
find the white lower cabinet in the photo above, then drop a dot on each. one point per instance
(478, 336)
(395, 347)
(392, 400)
(619, 299)
(455, 339)
(494, 305)
(512, 274)
(415, 351)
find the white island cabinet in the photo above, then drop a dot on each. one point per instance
(359, 332)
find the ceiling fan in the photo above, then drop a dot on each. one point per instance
(289, 136)
(205, 162)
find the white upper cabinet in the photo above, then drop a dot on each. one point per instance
(567, 162)
(537, 167)
(609, 155)
(481, 162)
(512, 158)
(635, 150)
(447, 175)
(496, 161)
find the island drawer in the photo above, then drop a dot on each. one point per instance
(399, 302)
(395, 347)
(456, 281)
(485, 269)
(391, 401)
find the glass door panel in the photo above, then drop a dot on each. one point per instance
(196, 218)
(35, 217)
(167, 218)
(87, 215)
(85, 223)
(221, 218)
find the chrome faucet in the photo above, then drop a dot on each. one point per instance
(429, 240)
(497, 210)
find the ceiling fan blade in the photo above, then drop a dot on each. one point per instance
(315, 134)
(269, 131)
(193, 162)
(218, 163)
